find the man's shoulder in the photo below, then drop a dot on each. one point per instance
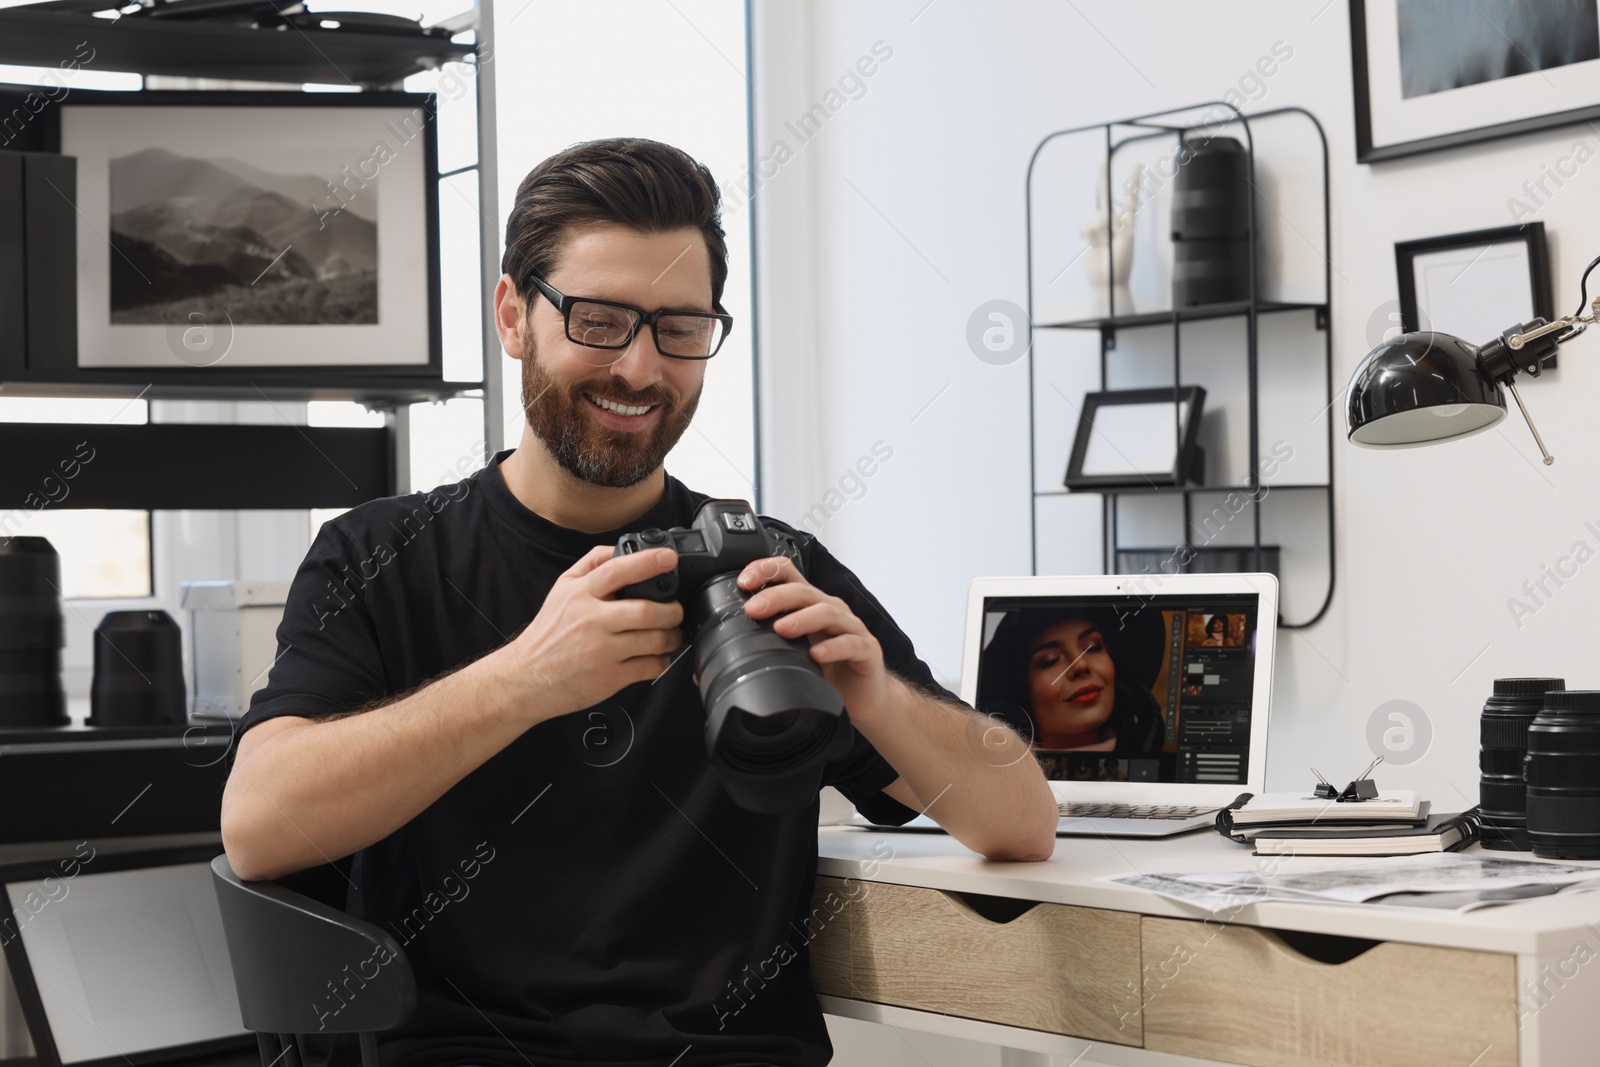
(406, 514)
(685, 496)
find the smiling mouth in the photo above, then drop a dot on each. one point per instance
(616, 407)
(1086, 695)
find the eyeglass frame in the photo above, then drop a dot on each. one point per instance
(563, 303)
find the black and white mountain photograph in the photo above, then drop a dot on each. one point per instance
(266, 247)
(1448, 45)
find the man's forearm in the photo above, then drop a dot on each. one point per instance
(972, 773)
(319, 791)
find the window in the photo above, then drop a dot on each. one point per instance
(104, 554)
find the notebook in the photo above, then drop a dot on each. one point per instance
(1144, 698)
(1395, 804)
(1443, 833)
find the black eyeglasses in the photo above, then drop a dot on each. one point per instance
(608, 325)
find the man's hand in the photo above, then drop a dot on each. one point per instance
(849, 655)
(585, 645)
(1003, 811)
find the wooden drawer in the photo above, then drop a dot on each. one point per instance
(1048, 967)
(1252, 996)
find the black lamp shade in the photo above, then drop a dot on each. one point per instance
(1419, 388)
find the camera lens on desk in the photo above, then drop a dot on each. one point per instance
(1502, 794)
(1563, 776)
(32, 634)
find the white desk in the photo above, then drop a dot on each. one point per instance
(1145, 980)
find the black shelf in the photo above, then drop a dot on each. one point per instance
(1168, 490)
(1230, 309)
(147, 780)
(182, 465)
(162, 384)
(197, 465)
(194, 49)
(1249, 311)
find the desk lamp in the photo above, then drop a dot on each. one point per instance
(1423, 387)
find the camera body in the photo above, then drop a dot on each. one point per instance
(772, 720)
(726, 537)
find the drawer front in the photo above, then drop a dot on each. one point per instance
(1055, 968)
(1244, 995)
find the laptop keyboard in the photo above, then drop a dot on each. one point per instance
(1132, 811)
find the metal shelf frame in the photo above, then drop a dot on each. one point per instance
(1152, 126)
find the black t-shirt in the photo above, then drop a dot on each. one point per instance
(590, 893)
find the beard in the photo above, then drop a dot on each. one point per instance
(588, 451)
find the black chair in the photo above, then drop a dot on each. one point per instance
(294, 948)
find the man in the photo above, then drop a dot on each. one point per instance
(515, 756)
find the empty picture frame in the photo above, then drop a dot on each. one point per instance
(1133, 438)
(1475, 285)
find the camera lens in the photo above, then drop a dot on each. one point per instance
(772, 720)
(1563, 776)
(769, 725)
(32, 633)
(138, 670)
(1503, 730)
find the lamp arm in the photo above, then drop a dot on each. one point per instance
(1511, 387)
(1517, 341)
(1526, 346)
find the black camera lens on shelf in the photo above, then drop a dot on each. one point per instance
(32, 633)
(138, 671)
(1502, 794)
(1563, 776)
(1211, 223)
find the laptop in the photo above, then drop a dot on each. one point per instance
(1144, 698)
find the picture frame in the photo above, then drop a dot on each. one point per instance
(1427, 80)
(289, 238)
(130, 939)
(1476, 284)
(1136, 438)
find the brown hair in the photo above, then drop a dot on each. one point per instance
(642, 184)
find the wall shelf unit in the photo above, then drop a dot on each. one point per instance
(252, 44)
(188, 47)
(1309, 312)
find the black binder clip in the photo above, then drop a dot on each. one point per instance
(1362, 788)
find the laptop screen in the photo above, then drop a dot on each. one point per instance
(1125, 689)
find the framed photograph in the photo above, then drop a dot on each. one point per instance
(256, 233)
(1475, 285)
(119, 957)
(1131, 438)
(1435, 74)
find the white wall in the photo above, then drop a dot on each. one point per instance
(905, 212)
(673, 72)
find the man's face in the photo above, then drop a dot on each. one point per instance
(564, 384)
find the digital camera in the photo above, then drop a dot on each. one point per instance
(772, 720)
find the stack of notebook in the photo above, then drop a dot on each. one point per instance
(1395, 823)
